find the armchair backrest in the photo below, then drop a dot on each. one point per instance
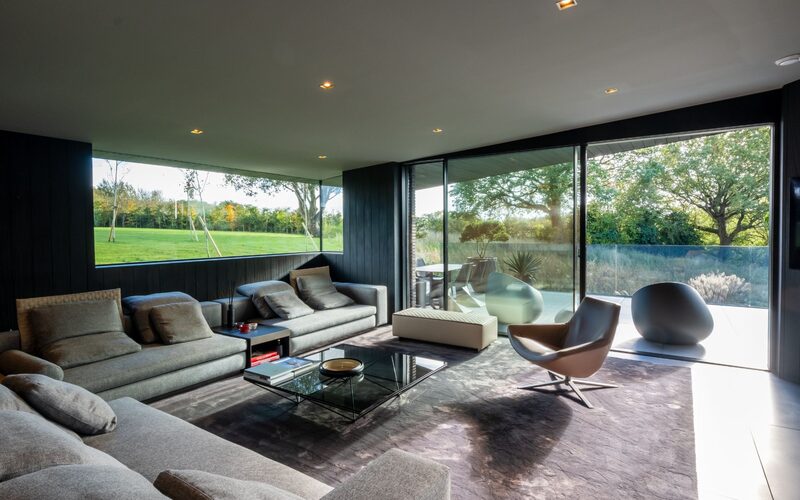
(595, 320)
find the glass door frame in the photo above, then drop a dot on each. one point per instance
(578, 214)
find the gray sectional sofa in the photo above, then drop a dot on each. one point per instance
(159, 369)
(40, 460)
(322, 327)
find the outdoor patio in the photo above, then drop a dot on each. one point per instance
(740, 336)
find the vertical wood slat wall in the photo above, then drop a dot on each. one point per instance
(786, 358)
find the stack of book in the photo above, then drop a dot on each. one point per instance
(278, 372)
(265, 357)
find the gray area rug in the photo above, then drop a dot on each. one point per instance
(499, 441)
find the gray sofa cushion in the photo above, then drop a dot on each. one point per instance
(29, 443)
(181, 322)
(256, 292)
(318, 292)
(151, 361)
(150, 441)
(321, 320)
(287, 305)
(138, 306)
(76, 351)
(251, 289)
(55, 322)
(80, 482)
(396, 475)
(67, 404)
(200, 485)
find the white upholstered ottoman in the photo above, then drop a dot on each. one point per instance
(445, 327)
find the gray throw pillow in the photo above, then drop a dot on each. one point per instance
(56, 322)
(200, 485)
(287, 305)
(319, 292)
(77, 351)
(79, 482)
(10, 401)
(181, 322)
(139, 306)
(67, 404)
(261, 305)
(30, 443)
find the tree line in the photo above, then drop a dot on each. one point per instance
(711, 190)
(150, 209)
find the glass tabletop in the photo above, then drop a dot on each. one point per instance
(386, 374)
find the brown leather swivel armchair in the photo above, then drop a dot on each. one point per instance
(577, 348)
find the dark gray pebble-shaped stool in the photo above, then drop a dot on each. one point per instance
(671, 313)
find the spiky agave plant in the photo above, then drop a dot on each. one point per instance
(523, 265)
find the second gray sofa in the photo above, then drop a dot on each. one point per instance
(322, 327)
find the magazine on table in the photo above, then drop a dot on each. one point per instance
(280, 371)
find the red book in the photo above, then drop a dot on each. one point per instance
(265, 355)
(256, 363)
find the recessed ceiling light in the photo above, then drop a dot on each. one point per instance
(326, 85)
(322, 157)
(786, 61)
(611, 90)
(196, 131)
(566, 4)
(437, 131)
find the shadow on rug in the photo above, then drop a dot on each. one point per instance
(499, 441)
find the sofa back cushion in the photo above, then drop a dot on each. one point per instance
(67, 404)
(181, 322)
(319, 292)
(79, 482)
(201, 485)
(86, 349)
(25, 306)
(30, 443)
(139, 306)
(321, 271)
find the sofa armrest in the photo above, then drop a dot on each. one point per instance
(371, 295)
(212, 312)
(243, 309)
(15, 361)
(396, 475)
(9, 340)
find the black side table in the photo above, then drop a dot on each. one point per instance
(266, 337)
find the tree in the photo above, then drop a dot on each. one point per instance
(483, 233)
(310, 200)
(194, 185)
(541, 189)
(726, 176)
(114, 166)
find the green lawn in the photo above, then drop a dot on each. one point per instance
(148, 245)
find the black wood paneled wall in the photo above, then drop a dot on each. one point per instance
(46, 231)
(786, 359)
(372, 237)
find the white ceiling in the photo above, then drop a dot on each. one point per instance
(134, 77)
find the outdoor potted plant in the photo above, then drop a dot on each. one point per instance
(482, 233)
(523, 265)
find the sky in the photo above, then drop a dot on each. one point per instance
(169, 180)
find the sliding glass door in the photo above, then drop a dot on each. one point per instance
(508, 232)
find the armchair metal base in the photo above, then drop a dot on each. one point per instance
(555, 380)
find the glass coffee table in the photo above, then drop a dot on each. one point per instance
(386, 375)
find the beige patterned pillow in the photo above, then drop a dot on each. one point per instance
(24, 306)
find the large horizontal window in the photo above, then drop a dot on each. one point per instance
(151, 213)
(332, 215)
